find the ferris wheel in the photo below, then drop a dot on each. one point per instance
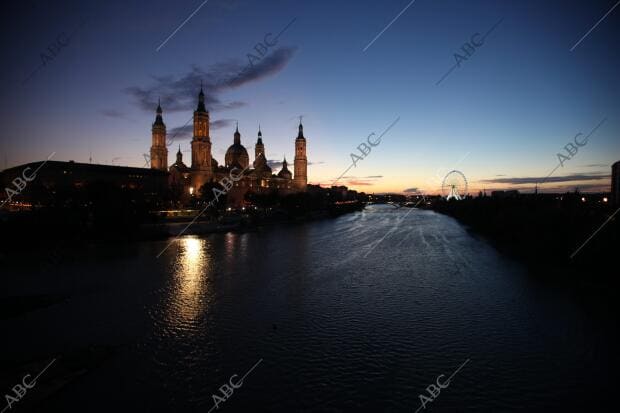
(454, 185)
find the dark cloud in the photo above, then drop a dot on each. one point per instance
(558, 189)
(274, 163)
(179, 93)
(359, 182)
(221, 123)
(268, 66)
(411, 190)
(232, 105)
(112, 113)
(535, 180)
(582, 188)
(362, 181)
(596, 165)
(181, 133)
(363, 177)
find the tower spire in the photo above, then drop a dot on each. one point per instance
(179, 156)
(159, 120)
(201, 100)
(300, 135)
(159, 152)
(237, 135)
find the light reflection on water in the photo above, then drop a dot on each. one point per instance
(308, 300)
(186, 301)
(338, 331)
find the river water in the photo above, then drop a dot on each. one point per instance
(357, 313)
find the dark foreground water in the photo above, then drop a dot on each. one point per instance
(335, 320)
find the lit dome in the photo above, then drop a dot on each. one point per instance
(237, 155)
(284, 172)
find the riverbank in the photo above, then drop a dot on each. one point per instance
(246, 220)
(548, 233)
(39, 227)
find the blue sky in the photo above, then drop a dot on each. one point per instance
(501, 116)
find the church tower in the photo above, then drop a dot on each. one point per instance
(259, 148)
(159, 151)
(300, 181)
(179, 156)
(201, 145)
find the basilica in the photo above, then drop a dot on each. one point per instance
(204, 169)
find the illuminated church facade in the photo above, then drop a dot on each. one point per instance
(204, 169)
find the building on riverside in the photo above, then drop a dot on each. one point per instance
(205, 170)
(41, 181)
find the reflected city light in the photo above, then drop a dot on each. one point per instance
(192, 253)
(187, 295)
(229, 240)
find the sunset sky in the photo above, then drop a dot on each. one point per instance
(500, 117)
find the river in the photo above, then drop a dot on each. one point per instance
(357, 313)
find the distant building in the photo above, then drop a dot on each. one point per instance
(615, 183)
(340, 189)
(204, 169)
(512, 193)
(56, 175)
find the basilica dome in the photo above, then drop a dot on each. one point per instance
(237, 155)
(284, 172)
